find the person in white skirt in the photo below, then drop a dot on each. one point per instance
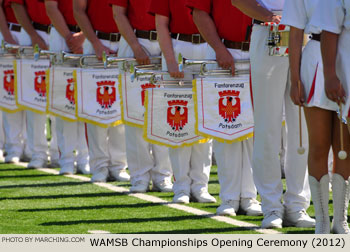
(332, 17)
(146, 162)
(66, 36)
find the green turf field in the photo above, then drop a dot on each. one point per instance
(34, 202)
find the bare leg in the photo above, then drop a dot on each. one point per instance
(340, 166)
(319, 123)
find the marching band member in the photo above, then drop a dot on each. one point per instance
(66, 36)
(229, 42)
(13, 123)
(2, 136)
(32, 16)
(106, 145)
(332, 17)
(145, 161)
(3, 26)
(178, 34)
(269, 82)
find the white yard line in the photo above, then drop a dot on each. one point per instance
(181, 207)
(98, 232)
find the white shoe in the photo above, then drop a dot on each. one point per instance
(228, 207)
(181, 197)
(139, 187)
(272, 220)
(37, 163)
(251, 207)
(320, 198)
(119, 175)
(83, 169)
(341, 190)
(163, 186)
(203, 196)
(12, 159)
(100, 176)
(67, 169)
(298, 219)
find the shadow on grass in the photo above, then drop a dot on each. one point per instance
(28, 176)
(127, 220)
(197, 231)
(213, 173)
(210, 206)
(304, 231)
(329, 202)
(64, 196)
(120, 184)
(115, 206)
(15, 169)
(45, 185)
(249, 218)
(214, 194)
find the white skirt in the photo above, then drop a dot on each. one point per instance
(311, 72)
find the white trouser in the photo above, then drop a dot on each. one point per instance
(71, 136)
(191, 165)
(2, 130)
(270, 89)
(145, 161)
(2, 133)
(2, 126)
(106, 145)
(36, 122)
(15, 123)
(13, 127)
(234, 160)
(53, 150)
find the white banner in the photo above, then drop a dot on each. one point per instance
(61, 99)
(98, 98)
(8, 84)
(133, 98)
(224, 108)
(170, 117)
(31, 84)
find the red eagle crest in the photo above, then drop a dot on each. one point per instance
(70, 91)
(106, 94)
(227, 109)
(39, 83)
(177, 114)
(9, 81)
(144, 87)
